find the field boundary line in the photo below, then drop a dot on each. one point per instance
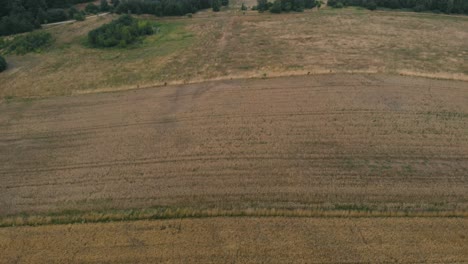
(74, 217)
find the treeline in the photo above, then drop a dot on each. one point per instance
(279, 6)
(445, 6)
(18, 16)
(166, 7)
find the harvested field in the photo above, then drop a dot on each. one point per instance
(242, 240)
(349, 143)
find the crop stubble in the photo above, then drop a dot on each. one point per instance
(242, 240)
(328, 142)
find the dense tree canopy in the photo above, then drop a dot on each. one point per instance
(163, 7)
(446, 6)
(17, 16)
(279, 6)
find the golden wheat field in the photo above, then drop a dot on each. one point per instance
(242, 240)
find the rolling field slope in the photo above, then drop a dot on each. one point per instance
(354, 143)
(229, 45)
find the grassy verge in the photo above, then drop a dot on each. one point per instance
(344, 211)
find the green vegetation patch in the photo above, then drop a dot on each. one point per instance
(3, 64)
(31, 42)
(120, 32)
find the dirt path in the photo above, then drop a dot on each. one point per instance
(72, 21)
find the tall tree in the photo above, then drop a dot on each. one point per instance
(262, 5)
(216, 5)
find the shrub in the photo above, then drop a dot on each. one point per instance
(79, 16)
(339, 5)
(309, 4)
(32, 42)
(332, 3)
(243, 7)
(92, 8)
(3, 64)
(56, 15)
(104, 6)
(120, 32)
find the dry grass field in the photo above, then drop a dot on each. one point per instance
(343, 142)
(232, 45)
(242, 240)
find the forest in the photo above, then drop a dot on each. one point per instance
(444, 6)
(18, 16)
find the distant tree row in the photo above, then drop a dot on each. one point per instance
(278, 6)
(445, 6)
(167, 7)
(120, 32)
(18, 16)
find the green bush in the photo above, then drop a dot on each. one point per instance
(104, 6)
(79, 16)
(120, 32)
(31, 42)
(243, 7)
(91, 8)
(339, 5)
(3, 64)
(55, 15)
(332, 3)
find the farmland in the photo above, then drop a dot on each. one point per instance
(331, 136)
(329, 142)
(242, 240)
